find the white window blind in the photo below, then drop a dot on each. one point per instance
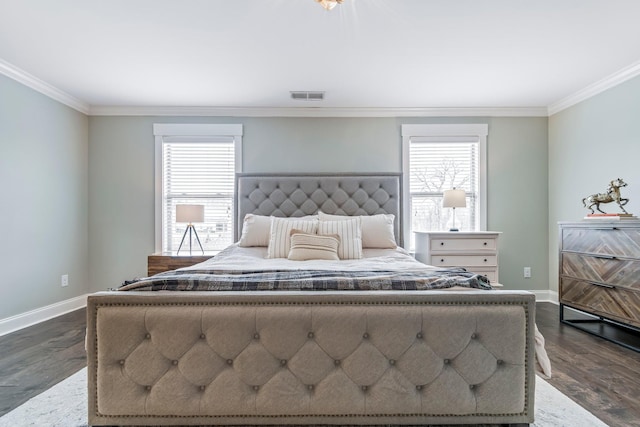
(438, 164)
(196, 165)
(438, 158)
(200, 173)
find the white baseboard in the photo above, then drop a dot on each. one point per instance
(20, 321)
(546, 296)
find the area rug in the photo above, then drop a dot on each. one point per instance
(65, 405)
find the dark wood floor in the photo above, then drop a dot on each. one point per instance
(601, 376)
(35, 358)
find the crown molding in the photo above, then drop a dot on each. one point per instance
(43, 87)
(51, 91)
(316, 112)
(609, 82)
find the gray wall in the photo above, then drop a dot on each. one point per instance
(121, 196)
(43, 211)
(590, 144)
(94, 179)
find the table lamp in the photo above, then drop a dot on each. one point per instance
(454, 199)
(190, 214)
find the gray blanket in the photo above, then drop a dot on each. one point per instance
(311, 280)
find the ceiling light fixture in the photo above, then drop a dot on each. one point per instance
(329, 4)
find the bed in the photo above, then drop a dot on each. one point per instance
(382, 340)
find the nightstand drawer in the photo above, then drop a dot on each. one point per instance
(464, 260)
(465, 245)
(492, 274)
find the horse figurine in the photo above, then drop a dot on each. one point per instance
(612, 195)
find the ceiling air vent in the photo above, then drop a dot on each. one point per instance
(307, 96)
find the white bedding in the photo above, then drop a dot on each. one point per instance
(236, 258)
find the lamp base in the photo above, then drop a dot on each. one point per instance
(189, 229)
(453, 229)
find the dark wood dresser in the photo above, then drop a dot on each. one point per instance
(600, 278)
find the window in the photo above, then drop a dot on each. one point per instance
(196, 164)
(437, 158)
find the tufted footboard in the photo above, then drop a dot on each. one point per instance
(310, 358)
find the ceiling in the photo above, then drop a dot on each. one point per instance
(396, 54)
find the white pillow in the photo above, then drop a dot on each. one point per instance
(377, 230)
(350, 236)
(280, 236)
(256, 229)
(306, 246)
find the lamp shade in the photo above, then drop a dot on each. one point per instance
(189, 213)
(454, 199)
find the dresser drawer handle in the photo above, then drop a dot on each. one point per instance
(602, 285)
(484, 243)
(485, 260)
(441, 243)
(604, 256)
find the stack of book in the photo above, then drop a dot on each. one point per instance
(610, 216)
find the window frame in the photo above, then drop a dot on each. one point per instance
(409, 131)
(190, 132)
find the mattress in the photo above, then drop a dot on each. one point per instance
(238, 268)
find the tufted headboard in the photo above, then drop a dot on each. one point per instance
(289, 195)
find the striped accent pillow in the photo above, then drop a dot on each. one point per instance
(350, 232)
(306, 246)
(280, 239)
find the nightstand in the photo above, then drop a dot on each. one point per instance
(477, 251)
(158, 263)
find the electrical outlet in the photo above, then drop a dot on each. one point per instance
(64, 280)
(527, 272)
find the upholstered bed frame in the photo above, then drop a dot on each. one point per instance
(238, 358)
(300, 195)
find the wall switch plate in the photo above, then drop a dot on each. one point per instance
(64, 280)
(527, 272)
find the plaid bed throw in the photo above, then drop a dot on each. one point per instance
(303, 280)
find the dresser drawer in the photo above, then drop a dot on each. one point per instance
(609, 270)
(464, 260)
(466, 245)
(490, 271)
(492, 274)
(604, 240)
(613, 303)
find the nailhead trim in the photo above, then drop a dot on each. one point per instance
(96, 306)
